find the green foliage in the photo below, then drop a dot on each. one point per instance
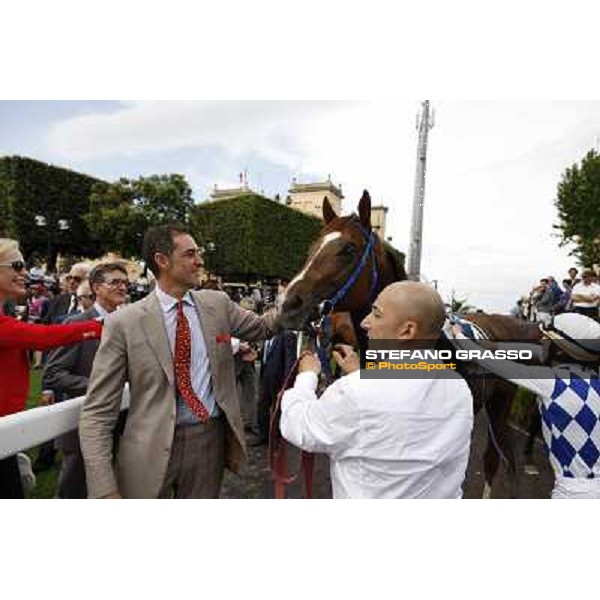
(253, 237)
(460, 305)
(29, 188)
(523, 408)
(121, 212)
(578, 204)
(46, 480)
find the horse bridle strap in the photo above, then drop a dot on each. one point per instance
(369, 252)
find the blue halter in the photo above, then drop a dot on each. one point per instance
(328, 305)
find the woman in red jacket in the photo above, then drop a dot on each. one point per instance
(16, 339)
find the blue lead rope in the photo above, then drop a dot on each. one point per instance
(322, 346)
(329, 305)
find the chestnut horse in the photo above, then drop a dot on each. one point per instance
(347, 267)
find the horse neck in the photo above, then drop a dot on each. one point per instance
(391, 271)
(361, 334)
(502, 327)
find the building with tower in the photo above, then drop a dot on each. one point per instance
(225, 193)
(308, 197)
(378, 219)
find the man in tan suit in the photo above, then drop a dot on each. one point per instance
(174, 349)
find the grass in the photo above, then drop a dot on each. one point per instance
(35, 388)
(522, 408)
(46, 480)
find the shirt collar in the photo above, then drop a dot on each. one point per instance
(167, 302)
(102, 312)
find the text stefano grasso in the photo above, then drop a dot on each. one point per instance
(482, 354)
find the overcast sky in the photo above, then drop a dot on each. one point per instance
(493, 167)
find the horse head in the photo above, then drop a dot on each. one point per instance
(347, 266)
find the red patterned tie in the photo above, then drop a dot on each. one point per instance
(183, 359)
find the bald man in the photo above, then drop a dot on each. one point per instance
(386, 438)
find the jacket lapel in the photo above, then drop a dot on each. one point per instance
(153, 324)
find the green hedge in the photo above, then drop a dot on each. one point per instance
(254, 237)
(30, 187)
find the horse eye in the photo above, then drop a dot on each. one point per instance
(348, 250)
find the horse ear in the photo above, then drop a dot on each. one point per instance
(328, 212)
(364, 210)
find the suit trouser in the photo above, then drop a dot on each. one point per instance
(266, 400)
(71, 480)
(10, 478)
(246, 386)
(46, 456)
(197, 461)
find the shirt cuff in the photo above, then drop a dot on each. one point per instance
(307, 380)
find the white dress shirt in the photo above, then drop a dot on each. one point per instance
(102, 312)
(387, 438)
(200, 367)
(588, 290)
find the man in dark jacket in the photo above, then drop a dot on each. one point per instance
(279, 356)
(56, 311)
(68, 370)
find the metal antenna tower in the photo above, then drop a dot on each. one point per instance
(423, 124)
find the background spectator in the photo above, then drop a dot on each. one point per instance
(586, 295)
(543, 301)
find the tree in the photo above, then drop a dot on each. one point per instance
(121, 213)
(42, 206)
(460, 305)
(578, 204)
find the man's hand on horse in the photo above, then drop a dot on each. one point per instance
(346, 358)
(309, 361)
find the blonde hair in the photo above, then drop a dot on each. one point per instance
(8, 247)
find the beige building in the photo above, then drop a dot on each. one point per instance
(378, 218)
(308, 197)
(225, 193)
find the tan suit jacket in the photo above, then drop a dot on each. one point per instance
(135, 349)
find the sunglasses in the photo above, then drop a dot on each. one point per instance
(16, 265)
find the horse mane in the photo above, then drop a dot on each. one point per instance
(395, 259)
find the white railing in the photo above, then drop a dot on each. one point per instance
(33, 427)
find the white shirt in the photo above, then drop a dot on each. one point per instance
(386, 438)
(581, 288)
(200, 367)
(102, 312)
(72, 305)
